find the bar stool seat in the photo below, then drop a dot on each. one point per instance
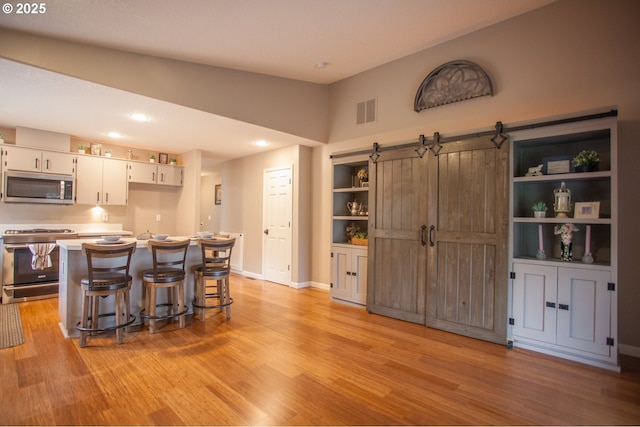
(167, 273)
(212, 277)
(107, 274)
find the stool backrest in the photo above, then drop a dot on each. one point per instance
(168, 254)
(216, 253)
(108, 259)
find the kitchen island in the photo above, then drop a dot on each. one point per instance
(73, 267)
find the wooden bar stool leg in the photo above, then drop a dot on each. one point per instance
(84, 322)
(152, 309)
(119, 331)
(127, 308)
(180, 289)
(227, 296)
(95, 315)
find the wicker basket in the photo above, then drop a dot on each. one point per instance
(359, 241)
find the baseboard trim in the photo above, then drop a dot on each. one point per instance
(324, 286)
(629, 350)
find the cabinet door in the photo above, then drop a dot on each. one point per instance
(359, 276)
(340, 272)
(22, 159)
(89, 180)
(59, 163)
(584, 310)
(146, 173)
(114, 182)
(535, 290)
(169, 175)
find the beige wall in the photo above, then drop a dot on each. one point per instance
(210, 213)
(242, 204)
(570, 56)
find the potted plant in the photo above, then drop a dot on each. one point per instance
(107, 153)
(1, 138)
(152, 158)
(82, 149)
(360, 239)
(172, 161)
(586, 161)
(540, 209)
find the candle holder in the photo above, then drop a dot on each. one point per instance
(587, 258)
(541, 254)
(562, 201)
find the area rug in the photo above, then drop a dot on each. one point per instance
(10, 326)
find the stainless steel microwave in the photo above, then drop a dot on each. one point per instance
(34, 187)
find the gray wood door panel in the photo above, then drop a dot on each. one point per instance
(397, 258)
(467, 285)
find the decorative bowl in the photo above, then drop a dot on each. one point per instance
(204, 234)
(159, 236)
(110, 238)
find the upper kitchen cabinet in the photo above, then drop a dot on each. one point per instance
(34, 160)
(151, 173)
(101, 181)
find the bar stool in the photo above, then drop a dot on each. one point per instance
(168, 272)
(107, 274)
(216, 266)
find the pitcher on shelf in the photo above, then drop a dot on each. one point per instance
(353, 207)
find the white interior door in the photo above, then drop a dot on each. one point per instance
(278, 208)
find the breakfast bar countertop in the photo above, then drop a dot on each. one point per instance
(76, 244)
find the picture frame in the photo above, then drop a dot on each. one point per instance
(556, 165)
(588, 210)
(163, 158)
(218, 194)
(96, 149)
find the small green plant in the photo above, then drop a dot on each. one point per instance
(361, 235)
(173, 160)
(586, 158)
(540, 207)
(81, 147)
(152, 157)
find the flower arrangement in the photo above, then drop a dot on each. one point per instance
(586, 158)
(566, 235)
(362, 174)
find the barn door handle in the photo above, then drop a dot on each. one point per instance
(563, 306)
(431, 230)
(266, 231)
(422, 230)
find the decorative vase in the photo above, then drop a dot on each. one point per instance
(539, 214)
(586, 168)
(107, 154)
(152, 160)
(565, 252)
(81, 151)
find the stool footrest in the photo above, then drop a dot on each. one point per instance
(132, 319)
(212, 306)
(165, 316)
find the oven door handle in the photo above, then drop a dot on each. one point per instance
(19, 245)
(19, 287)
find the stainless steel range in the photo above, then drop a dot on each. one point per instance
(30, 266)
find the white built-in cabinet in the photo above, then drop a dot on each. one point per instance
(565, 308)
(151, 173)
(349, 273)
(101, 181)
(349, 261)
(33, 160)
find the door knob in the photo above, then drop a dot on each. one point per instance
(266, 231)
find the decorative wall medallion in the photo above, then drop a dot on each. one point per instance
(452, 82)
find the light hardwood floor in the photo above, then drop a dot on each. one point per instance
(294, 357)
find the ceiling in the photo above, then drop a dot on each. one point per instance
(285, 38)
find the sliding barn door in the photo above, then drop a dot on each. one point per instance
(397, 249)
(467, 280)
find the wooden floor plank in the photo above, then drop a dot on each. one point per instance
(295, 357)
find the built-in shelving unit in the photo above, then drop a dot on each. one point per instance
(560, 307)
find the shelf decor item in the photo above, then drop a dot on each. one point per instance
(362, 177)
(586, 210)
(586, 161)
(562, 201)
(152, 158)
(541, 254)
(82, 149)
(360, 239)
(587, 258)
(540, 209)
(354, 207)
(566, 236)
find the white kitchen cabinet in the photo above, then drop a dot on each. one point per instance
(566, 308)
(34, 160)
(563, 310)
(151, 173)
(101, 181)
(169, 175)
(349, 273)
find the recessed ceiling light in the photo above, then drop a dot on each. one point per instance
(261, 143)
(140, 117)
(114, 134)
(321, 64)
